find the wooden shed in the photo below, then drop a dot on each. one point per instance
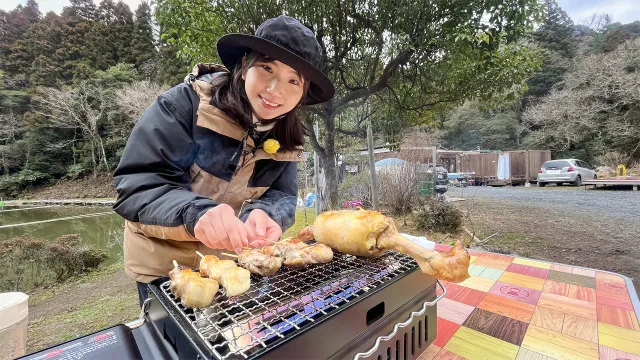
(524, 164)
(484, 165)
(504, 168)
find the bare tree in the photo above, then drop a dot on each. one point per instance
(597, 103)
(421, 136)
(9, 130)
(80, 108)
(598, 21)
(134, 98)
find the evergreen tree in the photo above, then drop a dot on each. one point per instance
(14, 24)
(171, 68)
(555, 37)
(31, 11)
(123, 28)
(81, 10)
(31, 57)
(142, 49)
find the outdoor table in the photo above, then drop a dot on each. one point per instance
(517, 308)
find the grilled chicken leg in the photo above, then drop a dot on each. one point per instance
(369, 233)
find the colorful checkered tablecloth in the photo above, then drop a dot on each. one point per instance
(516, 308)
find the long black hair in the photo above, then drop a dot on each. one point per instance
(231, 98)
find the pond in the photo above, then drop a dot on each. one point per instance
(99, 227)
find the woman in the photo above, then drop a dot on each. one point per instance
(211, 165)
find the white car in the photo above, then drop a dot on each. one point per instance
(570, 171)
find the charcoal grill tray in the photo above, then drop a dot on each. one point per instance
(279, 308)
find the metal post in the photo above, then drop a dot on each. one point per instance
(528, 165)
(316, 171)
(434, 154)
(372, 168)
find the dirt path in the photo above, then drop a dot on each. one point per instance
(80, 307)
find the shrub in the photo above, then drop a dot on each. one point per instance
(11, 185)
(356, 187)
(437, 216)
(27, 262)
(77, 170)
(398, 187)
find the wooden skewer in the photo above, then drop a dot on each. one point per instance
(175, 263)
(232, 255)
(199, 254)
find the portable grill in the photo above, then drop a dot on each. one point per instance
(334, 310)
(350, 308)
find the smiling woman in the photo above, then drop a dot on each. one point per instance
(273, 88)
(211, 165)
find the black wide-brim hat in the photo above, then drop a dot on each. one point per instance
(284, 39)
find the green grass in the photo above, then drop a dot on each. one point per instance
(42, 294)
(74, 319)
(90, 317)
(300, 221)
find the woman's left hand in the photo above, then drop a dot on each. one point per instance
(261, 229)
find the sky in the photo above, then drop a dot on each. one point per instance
(624, 11)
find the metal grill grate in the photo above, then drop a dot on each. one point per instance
(289, 301)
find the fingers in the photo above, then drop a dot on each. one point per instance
(242, 240)
(261, 223)
(220, 228)
(274, 231)
(256, 225)
(236, 234)
(260, 243)
(221, 231)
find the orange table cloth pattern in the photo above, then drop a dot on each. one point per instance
(516, 308)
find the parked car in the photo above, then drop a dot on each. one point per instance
(563, 171)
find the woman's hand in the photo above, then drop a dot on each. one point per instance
(261, 229)
(219, 228)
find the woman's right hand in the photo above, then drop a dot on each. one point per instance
(219, 228)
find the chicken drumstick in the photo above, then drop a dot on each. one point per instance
(369, 233)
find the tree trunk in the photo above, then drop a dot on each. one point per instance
(331, 201)
(328, 160)
(93, 159)
(104, 155)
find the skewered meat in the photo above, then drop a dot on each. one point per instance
(314, 254)
(199, 292)
(235, 281)
(179, 279)
(212, 267)
(281, 248)
(369, 233)
(260, 261)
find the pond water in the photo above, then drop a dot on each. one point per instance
(99, 227)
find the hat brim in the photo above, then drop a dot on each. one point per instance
(232, 47)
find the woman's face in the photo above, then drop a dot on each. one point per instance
(273, 88)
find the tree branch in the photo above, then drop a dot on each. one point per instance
(383, 81)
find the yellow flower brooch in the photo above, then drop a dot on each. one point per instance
(271, 146)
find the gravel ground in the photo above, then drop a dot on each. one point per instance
(590, 228)
(622, 204)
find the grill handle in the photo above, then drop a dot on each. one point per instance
(397, 326)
